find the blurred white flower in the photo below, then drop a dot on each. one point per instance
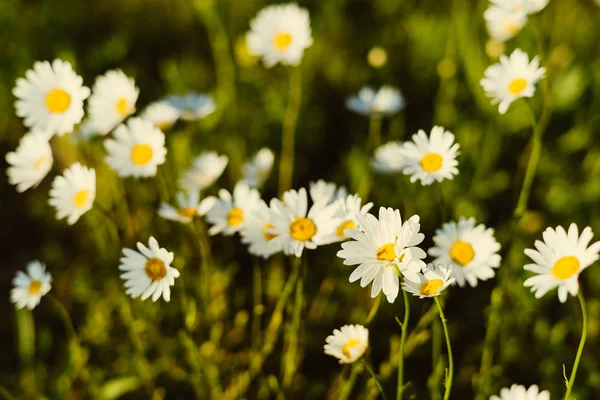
(206, 169)
(518, 392)
(229, 213)
(73, 193)
(388, 158)
(257, 170)
(188, 207)
(31, 162)
(432, 281)
(28, 288)
(192, 106)
(503, 24)
(530, 6)
(347, 344)
(383, 102)
(254, 232)
(161, 114)
(322, 191)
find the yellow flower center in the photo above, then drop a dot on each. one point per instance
(462, 252)
(386, 252)
(189, 212)
(163, 125)
(155, 269)
(565, 267)
(235, 217)
(266, 234)
(40, 162)
(141, 154)
(282, 40)
(35, 287)
(58, 101)
(122, 107)
(81, 198)
(302, 229)
(350, 345)
(432, 287)
(512, 29)
(346, 225)
(516, 86)
(431, 162)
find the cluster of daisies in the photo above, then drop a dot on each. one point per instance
(506, 18)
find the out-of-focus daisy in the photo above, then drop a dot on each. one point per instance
(161, 114)
(514, 77)
(279, 34)
(192, 106)
(471, 251)
(206, 169)
(559, 260)
(229, 213)
(347, 344)
(382, 248)
(148, 271)
(322, 191)
(518, 392)
(31, 162)
(295, 229)
(137, 149)
(530, 6)
(188, 207)
(388, 158)
(85, 131)
(383, 102)
(28, 288)
(257, 170)
(255, 233)
(347, 209)
(503, 24)
(51, 97)
(432, 281)
(430, 159)
(73, 193)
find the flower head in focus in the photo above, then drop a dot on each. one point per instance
(347, 344)
(433, 280)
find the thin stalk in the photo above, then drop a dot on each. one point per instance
(6, 394)
(374, 310)
(257, 306)
(290, 364)
(450, 373)
(581, 344)
(534, 157)
(288, 133)
(374, 131)
(374, 376)
(349, 385)
(400, 387)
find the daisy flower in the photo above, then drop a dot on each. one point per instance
(514, 77)
(113, 99)
(322, 192)
(432, 158)
(31, 286)
(255, 233)
(206, 169)
(279, 34)
(148, 271)
(530, 6)
(347, 209)
(229, 212)
(382, 247)
(161, 114)
(295, 229)
(503, 24)
(383, 102)
(432, 281)
(388, 158)
(559, 260)
(471, 251)
(51, 97)
(192, 106)
(31, 162)
(347, 344)
(73, 193)
(189, 206)
(257, 170)
(518, 392)
(137, 149)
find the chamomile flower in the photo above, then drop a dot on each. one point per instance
(113, 99)
(31, 286)
(31, 162)
(559, 260)
(188, 207)
(514, 77)
(255, 233)
(206, 169)
(280, 34)
(347, 344)
(503, 24)
(137, 149)
(383, 102)
(257, 170)
(432, 281)
(347, 209)
(388, 158)
(229, 213)
(530, 6)
(73, 193)
(518, 392)
(382, 247)
(148, 271)
(161, 114)
(295, 229)
(471, 251)
(192, 106)
(322, 191)
(51, 97)
(432, 158)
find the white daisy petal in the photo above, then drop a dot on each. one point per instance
(29, 288)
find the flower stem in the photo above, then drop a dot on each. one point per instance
(374, 131)
(374, 310)
(581, 344)
(374, 376)
(534, 157)
(291, 364)
(400, 387)
(347, 388)
(450, 372)
(286, 164)
(257, 306)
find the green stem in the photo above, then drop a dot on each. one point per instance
(290, 365)
(6, 394)
(286, 164)
(450, 373)
(347, 388)
(487, 355)
(257, 306)
(374, 310)
(400, 387)
(581, 344)
(534, 157)
(374, 132)
(374, 376)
